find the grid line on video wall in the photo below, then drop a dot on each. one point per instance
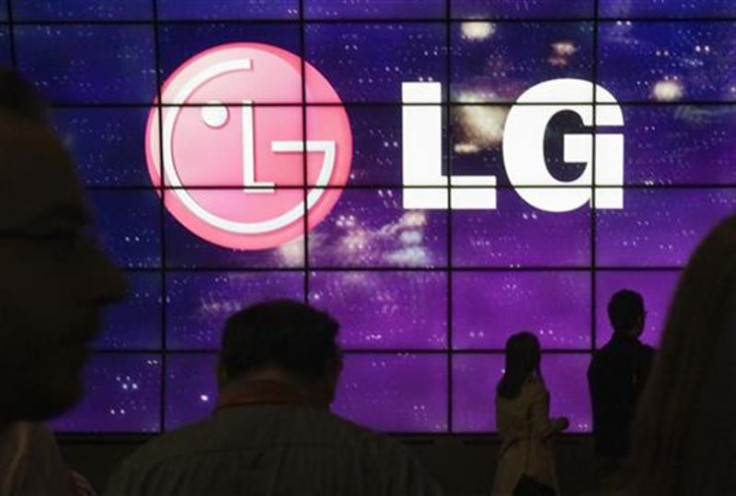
(447, 151)
(426, 298)
(162, 218)
(593, 165)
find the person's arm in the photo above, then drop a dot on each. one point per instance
(542, 425)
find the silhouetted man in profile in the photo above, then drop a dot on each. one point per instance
(273, 433)
(54, 282)
(616, 377)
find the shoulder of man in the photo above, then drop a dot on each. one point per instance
(648, 349)
(383, 456)
(594, 361)
(645, 352)
(130, 475)
(396, 469)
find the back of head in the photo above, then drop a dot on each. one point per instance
(283, 334)
(685, 435)
(626, 312)
(523, 357)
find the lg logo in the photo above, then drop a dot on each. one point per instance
(228, 147)
(523, 151)
(234, 174)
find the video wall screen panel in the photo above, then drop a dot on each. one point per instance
(438, 175)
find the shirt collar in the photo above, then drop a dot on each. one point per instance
(253, 393)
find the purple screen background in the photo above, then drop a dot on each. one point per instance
(426, 298)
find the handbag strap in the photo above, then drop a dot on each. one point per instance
(528, 435)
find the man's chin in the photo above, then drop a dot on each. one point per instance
(53, 398)
(65, 400)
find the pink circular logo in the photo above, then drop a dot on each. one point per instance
(230, 142)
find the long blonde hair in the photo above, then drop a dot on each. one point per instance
(685, 429)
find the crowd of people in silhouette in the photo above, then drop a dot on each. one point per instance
(664, 423)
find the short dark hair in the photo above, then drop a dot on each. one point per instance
(625, 310)
(20, 98)
(282, 333)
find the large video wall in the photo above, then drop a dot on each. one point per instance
(188, 179)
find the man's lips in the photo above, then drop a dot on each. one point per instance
(83, 332)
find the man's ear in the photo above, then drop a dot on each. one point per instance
(330, 380)
(333, 367)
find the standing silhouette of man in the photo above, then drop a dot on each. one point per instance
(616, 377)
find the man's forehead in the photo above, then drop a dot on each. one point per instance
(38, 181)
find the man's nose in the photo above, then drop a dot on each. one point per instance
(107, 282)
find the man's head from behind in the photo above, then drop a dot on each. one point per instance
(283, 339)
(55, 279)
(626, 312)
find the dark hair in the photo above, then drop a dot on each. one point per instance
(522, 358)
(625, 310)
(283, 333)
(684, 429)
(20, 98)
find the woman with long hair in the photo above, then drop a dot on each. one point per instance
(685, 431)
(526, 463)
